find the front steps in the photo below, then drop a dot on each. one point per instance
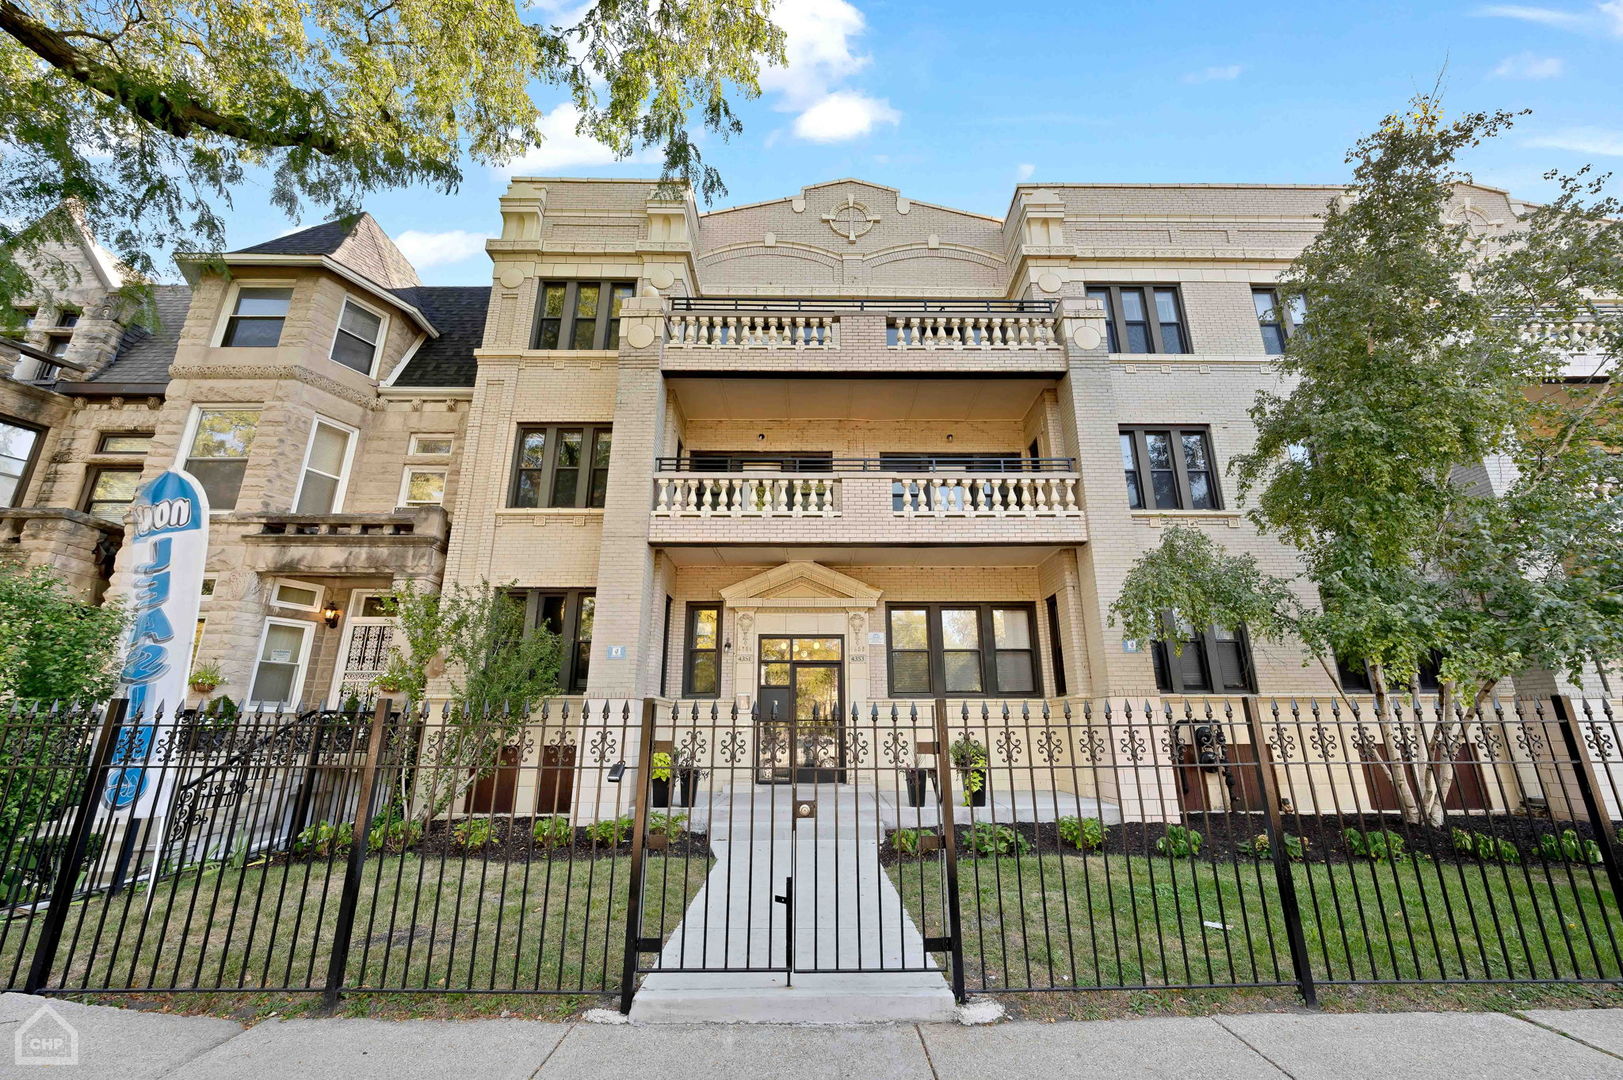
(762, 998)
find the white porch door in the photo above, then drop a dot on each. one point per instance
(363, 651)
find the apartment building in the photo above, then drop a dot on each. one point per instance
(842, 448)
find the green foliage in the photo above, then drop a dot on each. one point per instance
(672, 826)
(1569, 847)
(392, 832)
(1295, 847)
(220, 713)
(205, 677)
(325, 839)
(659, 766)
(611, 832)
(906, 841)
(474, 834)
(1084, 834)
(984, 839)
(1485, 847)
(552, 832)
(36, 862)
(54, 646)
(1378, 845)
(148, 116)
(969, 755)
(1180, 842)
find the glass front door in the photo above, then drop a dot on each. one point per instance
(801, 710)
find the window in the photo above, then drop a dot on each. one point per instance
(1056, 653)
(422, 487)
(702, 666)
(430, 446)
(326, 470)
(217, 452)
(1169, 469)
(1217, 660)
(569, 613)
(1355, 676)
(1279, 323)
(109, 492)
(1142, 318)
(580, 314)
(130, 442)
(256, 321)
(279, 672)
(17, 446)
(962, 649)
(360, 330)
(205, 591)
(561, 466)
(296, 594)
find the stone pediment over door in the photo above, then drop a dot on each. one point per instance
(800, 585)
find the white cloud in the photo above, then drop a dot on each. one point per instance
(1606, 16)
(1024, 171)
(844, 114)
(1529, 66)
(1223, 73)
(563, 148)
(820, 56)
(1582, 140)
(426, 249)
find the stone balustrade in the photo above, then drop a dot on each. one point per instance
(752, 330)
(997, 495)
(1577, 336)
(969, 332)
(408, 541)
(754, 495)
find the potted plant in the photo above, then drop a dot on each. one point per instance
(969, 756)
(918, 784)
(205, 678)
(662, 768)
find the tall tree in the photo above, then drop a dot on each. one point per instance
(146, 114)
(1420, 361)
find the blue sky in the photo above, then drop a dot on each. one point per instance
(955, 102)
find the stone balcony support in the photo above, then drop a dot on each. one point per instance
(75, 546)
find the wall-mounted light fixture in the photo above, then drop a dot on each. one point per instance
(949, 436)
(330, 615)
(760, 437)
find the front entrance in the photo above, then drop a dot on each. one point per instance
(802, 707)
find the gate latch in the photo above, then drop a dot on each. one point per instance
(805, 809)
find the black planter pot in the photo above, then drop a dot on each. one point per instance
(659, 791)
(918, 786)
(978, 796)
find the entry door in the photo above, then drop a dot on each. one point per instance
(801, 701)
(363, 651)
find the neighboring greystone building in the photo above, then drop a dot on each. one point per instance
(841, 448)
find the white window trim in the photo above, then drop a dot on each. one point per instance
(377, 347)
(352, 436)
(405, 483)
(229, 308)
(208, 579)
(183, 451)
(411, 446)
(277, 583)
(297, 688)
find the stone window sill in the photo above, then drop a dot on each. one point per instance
(1155, 518)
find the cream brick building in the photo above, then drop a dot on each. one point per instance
(838, 449)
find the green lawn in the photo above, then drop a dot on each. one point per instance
(1135, 921)
(426, 923)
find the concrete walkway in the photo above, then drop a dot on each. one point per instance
(1583, 1045)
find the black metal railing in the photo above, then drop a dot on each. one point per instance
(819, 463)
(887, 304)
(1009, 845)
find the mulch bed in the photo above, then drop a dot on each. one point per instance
(1226, 836)
(512, 842)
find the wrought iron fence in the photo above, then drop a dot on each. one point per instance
(580, 848)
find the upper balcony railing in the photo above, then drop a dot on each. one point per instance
(898, 463)
(818, 324)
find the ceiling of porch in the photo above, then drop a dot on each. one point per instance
(861, 555)
(856, 399)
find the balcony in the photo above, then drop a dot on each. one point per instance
(816, 334)
(405, 542)
(823, 500)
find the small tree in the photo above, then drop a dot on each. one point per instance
(54, 646)
(1412, 369)
(497, 668)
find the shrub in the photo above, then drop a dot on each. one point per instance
(1569, 847)
(474, 834)
(906, 841)
(1378, 845)
(393, 834)
(659, 766)
(674, 826)
(985, 838)
(611, 832)
(1485, 847)
(325, 838)
(1180, 842)
(1295, 847)
(552, 832)
(1084, 834)
(969, 755)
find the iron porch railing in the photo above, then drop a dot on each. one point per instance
(816, 463)
(886, 304)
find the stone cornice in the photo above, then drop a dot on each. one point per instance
(366, 400)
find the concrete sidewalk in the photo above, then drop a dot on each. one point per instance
(1573, 1045)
